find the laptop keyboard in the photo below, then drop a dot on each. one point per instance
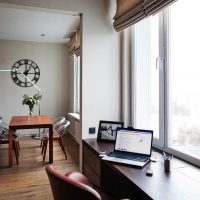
(127, 156)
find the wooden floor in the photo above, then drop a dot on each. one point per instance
(28, 180)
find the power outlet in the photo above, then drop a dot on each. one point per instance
(92, 130)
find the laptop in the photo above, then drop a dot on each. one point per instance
(132, 147)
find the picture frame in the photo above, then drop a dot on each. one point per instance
(107, 130)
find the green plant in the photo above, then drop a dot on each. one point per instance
(31, 101)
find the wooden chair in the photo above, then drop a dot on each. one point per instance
(73, 185)
(58, 131)
(4, 140)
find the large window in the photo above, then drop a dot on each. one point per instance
(147, 75)
(166, 78)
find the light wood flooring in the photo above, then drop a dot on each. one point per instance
(28, 180)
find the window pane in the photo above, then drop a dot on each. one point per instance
(77, 84)
(184, 78)
(147, 74)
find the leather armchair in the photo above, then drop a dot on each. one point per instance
(72, 186)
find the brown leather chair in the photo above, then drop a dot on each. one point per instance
(72, 186)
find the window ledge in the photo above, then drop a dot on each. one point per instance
(76, 116)
(179, 164)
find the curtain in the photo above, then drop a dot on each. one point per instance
(130, 12)
(73, 45)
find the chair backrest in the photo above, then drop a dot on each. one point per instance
(3, 130)
(61, 128)
(58, 121)
(66, 187)
(3, 124)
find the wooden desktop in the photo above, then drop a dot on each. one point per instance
(133, 183)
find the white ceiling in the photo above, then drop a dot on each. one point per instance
(28, 25)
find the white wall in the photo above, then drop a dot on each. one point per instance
(52, 60)
(100, 58)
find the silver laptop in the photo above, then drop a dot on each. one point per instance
(132, 147)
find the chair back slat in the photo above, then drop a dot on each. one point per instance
(61, 129)
(58, 121)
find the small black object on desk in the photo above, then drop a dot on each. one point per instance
(149, 172)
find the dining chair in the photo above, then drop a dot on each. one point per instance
(4, 139)
(58, 132)
(56, 122)
(73, 185)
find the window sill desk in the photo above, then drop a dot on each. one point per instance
(181, 183)
(25, 122)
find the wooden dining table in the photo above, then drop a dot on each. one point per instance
(27, 122)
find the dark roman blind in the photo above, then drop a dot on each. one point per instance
(130, 12)
(73, 45)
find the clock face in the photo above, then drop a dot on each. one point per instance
(25, 68)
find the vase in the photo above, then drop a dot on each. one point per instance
(30, 114)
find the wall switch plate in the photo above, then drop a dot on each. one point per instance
(92, 130)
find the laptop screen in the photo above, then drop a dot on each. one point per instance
(134, 141)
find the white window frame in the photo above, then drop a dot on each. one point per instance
(157, 143)
(76, 84)
(164, 42)
(175, 152)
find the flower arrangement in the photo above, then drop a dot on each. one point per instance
(31, 101)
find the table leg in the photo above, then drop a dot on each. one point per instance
(10, 147)
(51, 144)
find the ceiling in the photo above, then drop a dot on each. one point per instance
(30, 25)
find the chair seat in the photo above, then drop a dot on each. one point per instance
(4, 141)
(82, 179)
(55, 134)
(103, 195)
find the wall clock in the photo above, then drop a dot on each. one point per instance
(29, 68)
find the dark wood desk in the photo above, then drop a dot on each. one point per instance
(130, 182)
(35, 122)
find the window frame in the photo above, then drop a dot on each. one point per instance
(76, 84)
(156, 142)
(168, 149)
(164, 61)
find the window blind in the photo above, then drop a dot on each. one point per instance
(129, 12)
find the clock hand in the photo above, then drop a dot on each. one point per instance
(26, 71)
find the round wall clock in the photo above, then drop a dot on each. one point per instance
(29, 68)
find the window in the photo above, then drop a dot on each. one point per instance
(147, 110)
(76, 84)
(184, 71)
(166, 79)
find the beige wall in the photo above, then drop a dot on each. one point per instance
(52, 60)
(100, 58)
